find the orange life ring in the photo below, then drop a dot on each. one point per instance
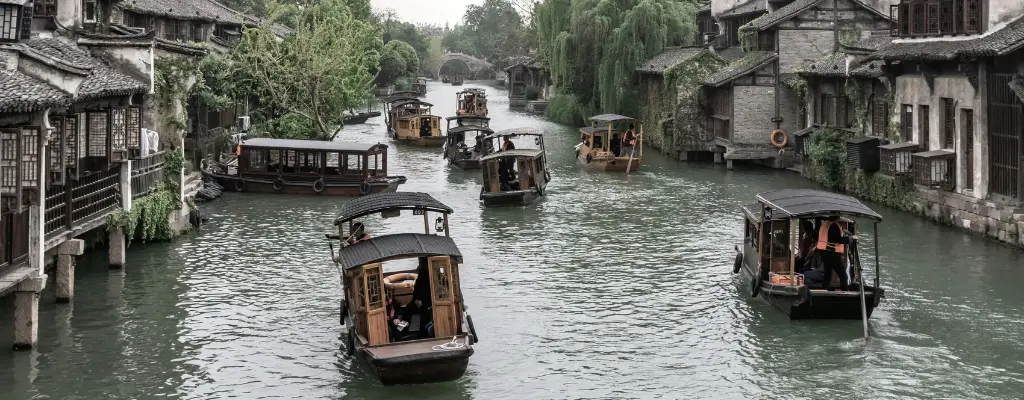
(779, 144)
(402, 280)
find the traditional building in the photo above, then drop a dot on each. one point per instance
(527, 83)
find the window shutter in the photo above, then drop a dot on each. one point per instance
(73, 131)
(118, 146)
(55, 151)
(30, 157)
(10, 179)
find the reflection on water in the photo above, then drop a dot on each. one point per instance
(610, 287)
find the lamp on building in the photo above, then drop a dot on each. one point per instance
(935, 169)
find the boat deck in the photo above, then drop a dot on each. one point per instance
(411, 348)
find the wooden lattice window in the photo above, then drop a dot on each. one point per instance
(72, 133)
(948, 122)
(907, 121)
(9, 180)
(442, 282)
(9, 22)
(924, 130)
(198, 32)
(374, 297)
(1005, 132)
(170, 28)
(96, 134)
(55, 150)
(880, 117)
(83, 135)
(118, 128)
(45, 8)
(134, 123)
(30, 157)
(935, 17)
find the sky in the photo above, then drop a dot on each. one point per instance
(427, 11)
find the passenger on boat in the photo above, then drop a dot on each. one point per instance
(425, 127)
(806, 244)
(831, 247)
(628, 142)
(421, 301)
(616, 145)
(396, 325)
(508, 145)
(479, 146)
(358, 233)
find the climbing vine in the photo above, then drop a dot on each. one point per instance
(172, 78)
(748, 39)
(828, 156)
(153, 210)
(893, 126)
(830, 168)
(860, 97)
(800, 86)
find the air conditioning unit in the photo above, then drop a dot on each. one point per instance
(243, 123)
(709, 38)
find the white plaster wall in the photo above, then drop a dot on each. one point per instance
(913, 89)
(64, 81)
(69, 13)
(1003, 11)
(720, 6)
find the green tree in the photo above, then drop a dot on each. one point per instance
(392, 67)
(319, 72)
(408, 54)
(496, 30)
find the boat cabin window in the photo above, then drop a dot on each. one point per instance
(403, 124)
(751, 233)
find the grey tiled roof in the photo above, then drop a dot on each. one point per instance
(753, 61)
(403, 245)
(731, 54)
(870, 69)
(201, 10)
(1001, 42)
(1017, 87)
(102, 81)
(789, 11)
(750, 7)
(833, 65)
(22, 93)
(669, 58)
(870, 43)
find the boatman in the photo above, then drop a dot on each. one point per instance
(628, 142)
(831, 247)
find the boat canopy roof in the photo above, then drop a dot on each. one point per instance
(458, 117)
(476, 91)
(321, 145)
(417, 116)
(410, 102)
(513, 153)
(470, 128)
(396, 246)
(515, 132)
(406, 93)
(797, 203)
(377, 202)
(612, 118)
(395, 98)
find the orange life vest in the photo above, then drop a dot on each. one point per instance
(824, 244)
(238, 150)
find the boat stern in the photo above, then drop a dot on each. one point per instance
(420, 361)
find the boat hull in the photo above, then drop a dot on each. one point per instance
(348, 189)
(422, 141)
(515, 197)
(617, 164)
(413, 371)
(799, 302)
(467, 163)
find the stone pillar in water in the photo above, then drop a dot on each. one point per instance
(26, 312)
(66, 253)
(117, 249)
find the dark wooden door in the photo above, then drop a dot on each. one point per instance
(1006, 114)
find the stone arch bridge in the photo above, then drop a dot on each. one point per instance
(476, 66)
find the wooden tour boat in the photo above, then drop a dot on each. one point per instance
(408, 326)
(456, 80)
(471, 102)
(770, 255)
(359, 118)
(600, 150)
(513, 176)
(318, 167)
(409, 121)
(446, 79)
(459, 152)
(464, 120)
(420, 87)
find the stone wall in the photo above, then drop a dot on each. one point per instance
(754, 106)
(799, 47)
(983, 217)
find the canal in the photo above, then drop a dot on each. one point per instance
(611, 287)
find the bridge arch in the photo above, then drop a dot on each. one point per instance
(473, 65)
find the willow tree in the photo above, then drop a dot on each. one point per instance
(320, 71)
(592, 47)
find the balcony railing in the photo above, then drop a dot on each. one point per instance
(146, 172)
(921, 18)
(90, 196)
(13, 237)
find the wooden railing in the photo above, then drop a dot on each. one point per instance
(146, 172)
(90, 196)
(13, 237)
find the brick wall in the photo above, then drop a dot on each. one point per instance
(983, 217)
(754, 107)
(802, 46)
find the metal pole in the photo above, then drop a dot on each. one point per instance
(863, 301)
(877, 269)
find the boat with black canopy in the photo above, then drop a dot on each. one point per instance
(420, 87)
(601, 147)
(785, 233)
(463, 120)
(514, 171)
(471, 102)
(465, 146)
(408, 325)
(264, 165)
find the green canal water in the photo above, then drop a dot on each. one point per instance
(611, 287)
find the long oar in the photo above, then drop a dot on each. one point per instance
(630, 163)
(863, 300)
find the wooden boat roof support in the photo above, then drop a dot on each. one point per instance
(613, 118)
(378, 202)
(470, 128)
(458, 117)
(532, 153)
(397, 246)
